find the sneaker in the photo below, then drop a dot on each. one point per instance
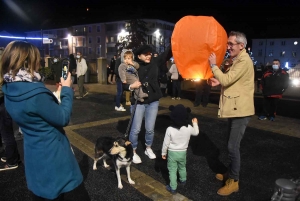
(136, 159)
(182, 183)
(121, 106)
(8, 167)
(168, 187)
(178, 98)
(79, 97)
(150, 153)
(272, 118)
(173, 98)
(86, 93)
(120, 109)
(262, 117)
(3, 159)
(128, 103)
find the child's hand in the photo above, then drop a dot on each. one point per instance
(195, 120)
(164, 157)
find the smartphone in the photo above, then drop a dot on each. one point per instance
(65, 69)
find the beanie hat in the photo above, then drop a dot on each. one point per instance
(179, 115)
(144, 49)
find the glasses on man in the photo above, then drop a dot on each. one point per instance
(232, 44)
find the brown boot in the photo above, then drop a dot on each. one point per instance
(230, 186)
(222, 177)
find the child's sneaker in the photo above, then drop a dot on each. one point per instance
(182, 182)
(168, 187)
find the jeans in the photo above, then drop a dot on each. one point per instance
(236, 130)
(7, 133)
(119, 92)
(81, 88)
(176, 88)
(149, 111)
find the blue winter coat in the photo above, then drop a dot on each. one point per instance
(50, 165)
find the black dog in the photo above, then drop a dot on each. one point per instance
(119, 150)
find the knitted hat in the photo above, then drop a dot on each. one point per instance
(179, 115)
(144, 49)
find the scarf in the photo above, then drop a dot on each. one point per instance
(22, 76)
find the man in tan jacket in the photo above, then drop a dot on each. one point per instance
(236, 104)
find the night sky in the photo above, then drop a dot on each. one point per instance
(256, 18)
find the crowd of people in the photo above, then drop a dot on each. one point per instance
(146, 77)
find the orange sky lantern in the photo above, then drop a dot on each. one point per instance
(194, 38)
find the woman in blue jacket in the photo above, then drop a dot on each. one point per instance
(51, 168)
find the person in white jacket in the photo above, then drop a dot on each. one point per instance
(176, 142)
(176, 82)
(80, 71)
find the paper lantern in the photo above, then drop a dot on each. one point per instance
(193, 40)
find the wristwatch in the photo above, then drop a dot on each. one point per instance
(212, 65)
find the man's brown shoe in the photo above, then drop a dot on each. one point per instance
(222, 177)
(230, 186)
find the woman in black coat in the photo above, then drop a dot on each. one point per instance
(148, 75)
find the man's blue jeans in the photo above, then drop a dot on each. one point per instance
(236, 130)
(149, 111)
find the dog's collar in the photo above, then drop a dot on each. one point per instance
(122, 159)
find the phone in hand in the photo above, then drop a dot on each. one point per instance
(65, 69)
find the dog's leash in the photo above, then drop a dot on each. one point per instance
(131, 117)
(133, 112)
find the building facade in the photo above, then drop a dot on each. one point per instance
(97, 40)
(287, 50)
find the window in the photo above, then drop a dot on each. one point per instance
(271, 53)
(90, 40)
(149, 39)
(294, 54)
(282, 43)
(83, 42)
(112, 39)
(98, 50)
(261, 43)
(98, 28)
(90, 29)
(260, 52)
(84, 29)
(90, 50)
(98, 39)
(272, 43)
(111, 27)
(111, 49)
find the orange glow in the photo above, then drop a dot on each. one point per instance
(194, 38)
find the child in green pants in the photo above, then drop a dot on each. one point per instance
(176, 142)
